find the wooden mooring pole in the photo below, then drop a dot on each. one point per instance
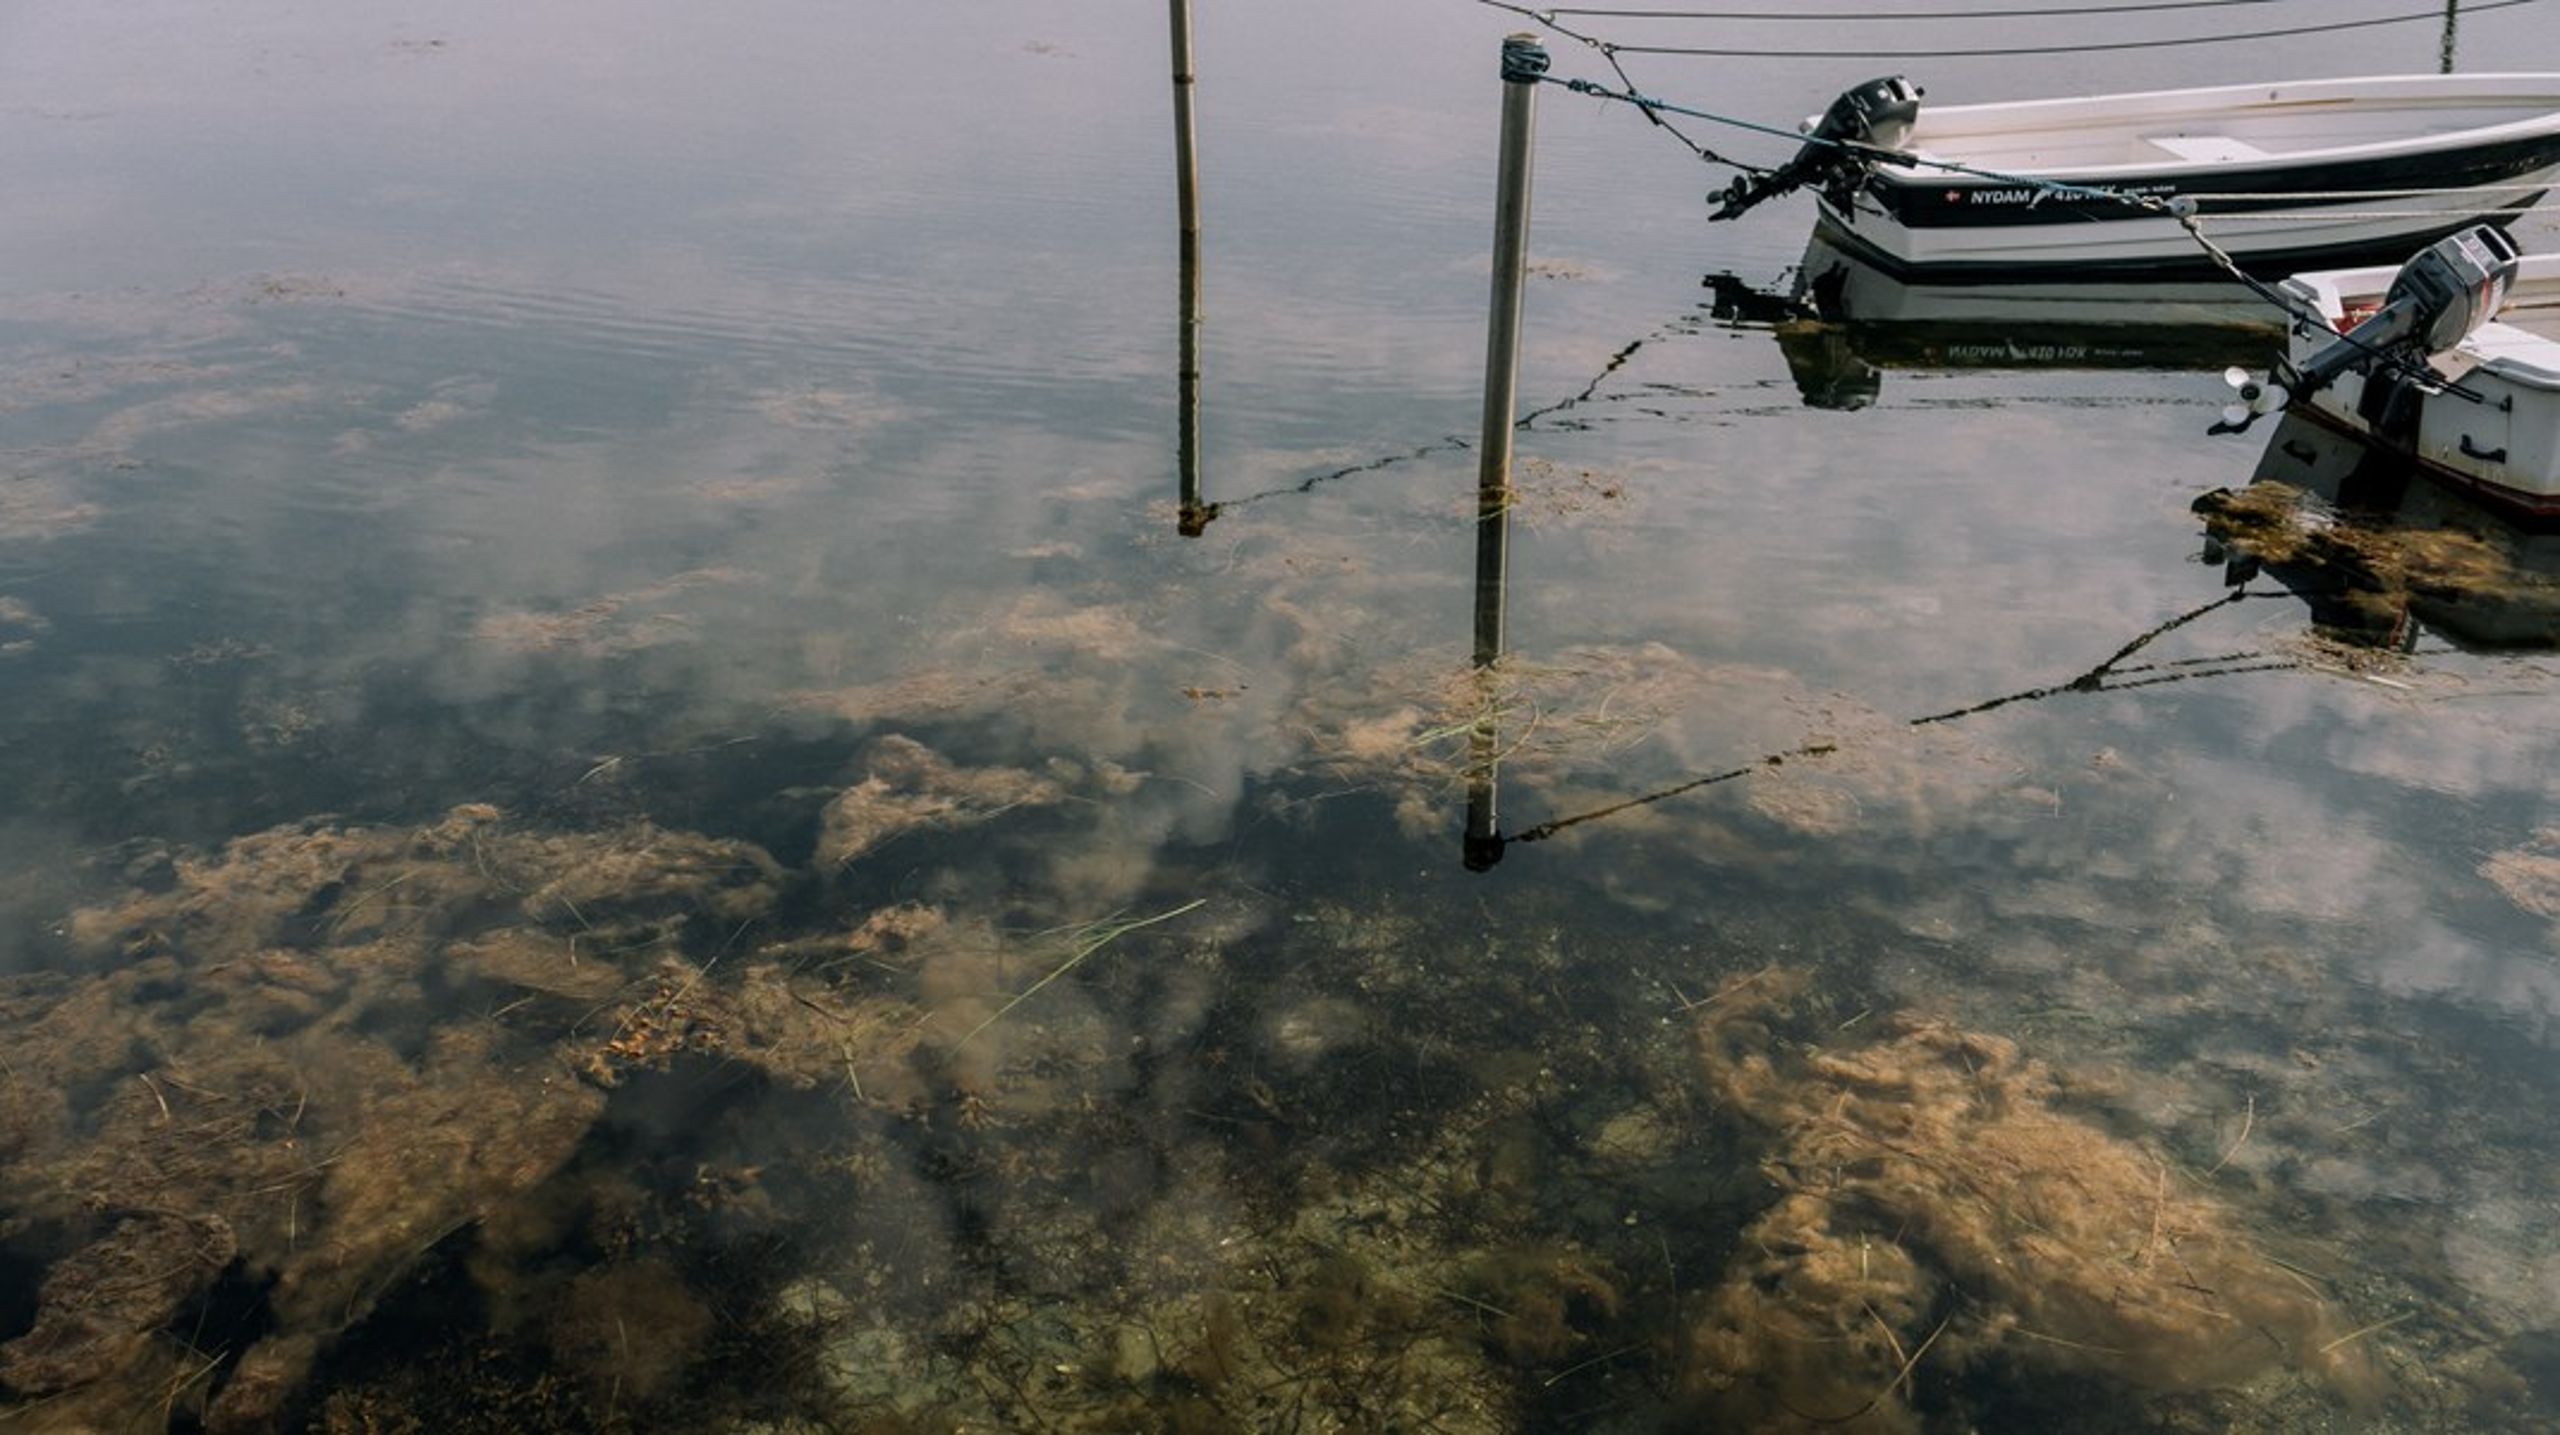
(2444, 53)
(1523, 61)
(1193, 515)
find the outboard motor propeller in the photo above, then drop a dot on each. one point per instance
(2447, 290)
(1876, 115)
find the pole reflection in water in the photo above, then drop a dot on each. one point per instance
(1482, 847)
(1192, 515)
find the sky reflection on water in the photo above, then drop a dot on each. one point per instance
(455, 459)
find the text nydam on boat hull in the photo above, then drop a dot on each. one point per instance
(2282, 176)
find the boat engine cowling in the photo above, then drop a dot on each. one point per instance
(2438, 298)
(1877, 115)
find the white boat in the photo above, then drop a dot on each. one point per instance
(2283, 176)
(2485, 413)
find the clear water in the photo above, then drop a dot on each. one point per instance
(629, 812)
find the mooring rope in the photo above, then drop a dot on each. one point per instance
(1897, 17)
(2181, 208)
(2175, 207)
(2077, 48)
(1459, 443)
(1609, 55)
(1900, 158)
(2095, 680)
(2530, 186)
(2279, 216)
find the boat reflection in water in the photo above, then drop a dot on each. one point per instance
(2381, 553)
(1842, 323)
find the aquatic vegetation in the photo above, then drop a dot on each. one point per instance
(1049, 622)
(451, 401)
(800, 1031)
(19, 625)
(2529, 874)
(1940, 1205)
(1545, 492)
(98, 1307)
(628, 1329)
(263, 1070)
(907, 786)
(2370, 578)
(927, 694)
(36, 505)
(1341, 1197)
(150, 418)
(833, 410)
(606, 627)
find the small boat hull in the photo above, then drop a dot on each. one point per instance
(2498, 437)
(2284, 177)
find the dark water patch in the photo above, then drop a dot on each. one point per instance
(21, 1268)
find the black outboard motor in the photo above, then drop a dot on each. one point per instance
(1875, 115)
(2449, 289)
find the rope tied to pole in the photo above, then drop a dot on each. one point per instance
(1608, 52)
(1524, 60)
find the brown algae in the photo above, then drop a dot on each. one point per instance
(260, 1080)
(1940, 1204)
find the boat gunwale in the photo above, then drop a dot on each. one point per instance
(2007, 269)
(2534, 274)
(2195, 103)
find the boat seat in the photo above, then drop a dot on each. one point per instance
(2207, 148)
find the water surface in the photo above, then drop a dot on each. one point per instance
(630, 812)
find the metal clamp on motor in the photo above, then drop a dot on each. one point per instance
(2436, 300)
(1877, 115)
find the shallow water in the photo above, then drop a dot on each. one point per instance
(631, 813)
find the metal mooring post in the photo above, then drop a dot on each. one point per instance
(1192, 517)
(1523, 61)
(2444, 55)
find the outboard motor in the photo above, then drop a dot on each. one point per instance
(1876, 115)
(2449, 289)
